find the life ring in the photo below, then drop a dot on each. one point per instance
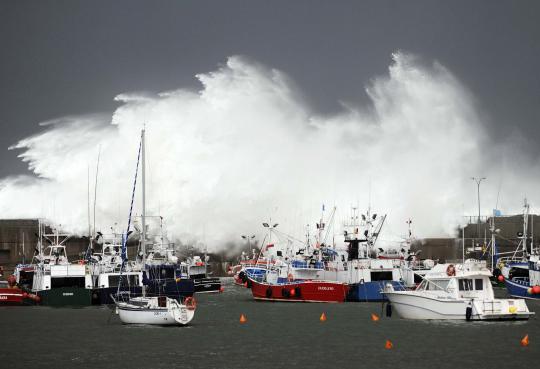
(451, 270)
(290, 277)
(190, 303)
(269, 292)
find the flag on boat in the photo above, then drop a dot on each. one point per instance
(269, 245)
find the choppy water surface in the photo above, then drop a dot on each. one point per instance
(277, 335)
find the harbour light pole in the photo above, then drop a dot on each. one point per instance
(478, 181)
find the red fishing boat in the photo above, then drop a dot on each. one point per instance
(10, 294)
(300, 291)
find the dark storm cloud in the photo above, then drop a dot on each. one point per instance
(72, 57)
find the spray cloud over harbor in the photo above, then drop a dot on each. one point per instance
(247, 147)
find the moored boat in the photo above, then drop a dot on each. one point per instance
(197, 270)
(300, 291)
(145, 309)
(527, 283)
(157, 310)
(460, 292)
(55, 280)
(11, 294)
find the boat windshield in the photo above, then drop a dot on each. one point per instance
(434, 285)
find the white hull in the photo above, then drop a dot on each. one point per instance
(411, 305)
(173, 313)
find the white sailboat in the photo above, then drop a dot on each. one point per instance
(155, 310)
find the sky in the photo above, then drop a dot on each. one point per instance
(73, 58)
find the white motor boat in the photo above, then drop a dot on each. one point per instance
(460, 292)
(160, 310)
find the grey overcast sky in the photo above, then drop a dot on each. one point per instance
(72, 57)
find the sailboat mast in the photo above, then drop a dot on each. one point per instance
(143, 241)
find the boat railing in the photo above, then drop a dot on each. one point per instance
(510, 259)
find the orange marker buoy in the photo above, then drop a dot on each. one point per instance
(323, 317)
(243, 319)
(525, 341)
(375, 317)
(389, 345)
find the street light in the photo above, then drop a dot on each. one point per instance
(478, 181)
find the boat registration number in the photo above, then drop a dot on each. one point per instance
(324, 288)
(67, 294)
(3, 297)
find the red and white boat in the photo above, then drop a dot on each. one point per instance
(10, 294)
(300, 291)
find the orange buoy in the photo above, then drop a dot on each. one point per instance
(375, 317)
(323, 317)
(292, 292)
(389, 345)
(525, 341)
(500, 278)
(243, 319)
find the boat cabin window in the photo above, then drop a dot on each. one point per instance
(478, 284)
(381, 276)
(465, 284)
(279, 253)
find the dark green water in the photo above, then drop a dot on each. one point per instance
(277, 335)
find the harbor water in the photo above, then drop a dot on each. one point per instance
(276, 335)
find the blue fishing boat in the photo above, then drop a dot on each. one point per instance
(521, 271)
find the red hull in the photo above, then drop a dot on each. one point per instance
(12, 296)
(301, 291)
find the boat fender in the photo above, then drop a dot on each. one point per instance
(298, 291)
(269, 292)
(191, 303)
(389, 310)
(285, 292)
(468, 313)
